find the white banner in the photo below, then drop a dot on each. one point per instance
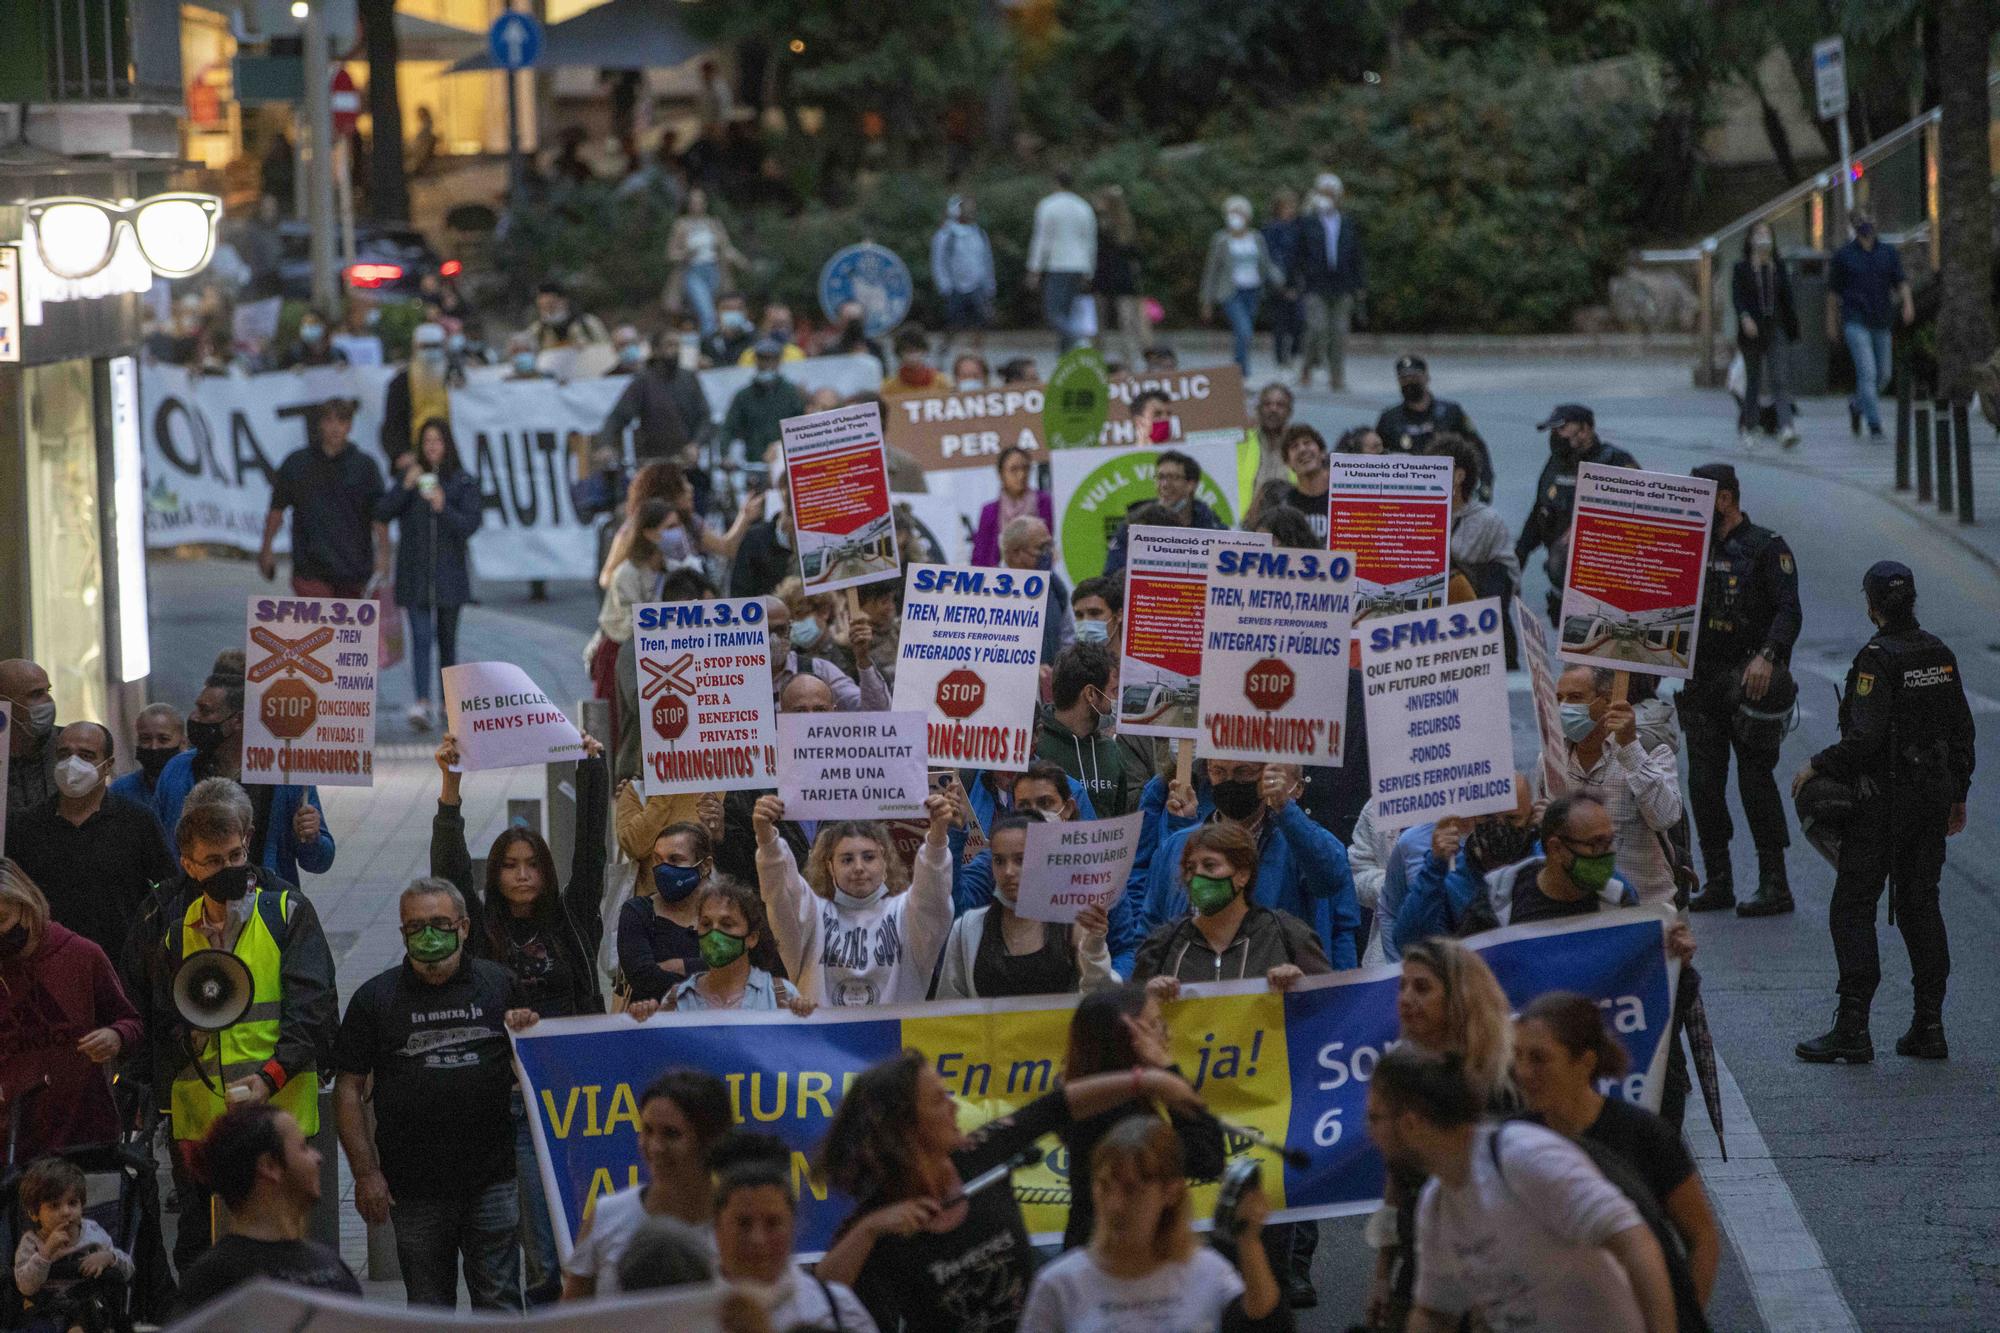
(263, 1304)
(309, 705)
(1439, 739)
(1274, 656)
(852, 765)
(1068, 867)
(501, 719)
(969, 661)
(705, 696)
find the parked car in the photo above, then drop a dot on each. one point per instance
(388, 261)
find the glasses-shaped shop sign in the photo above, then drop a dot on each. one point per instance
(77, 236)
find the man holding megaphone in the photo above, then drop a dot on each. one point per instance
(221, 1051)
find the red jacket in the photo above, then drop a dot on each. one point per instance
(48, 1001)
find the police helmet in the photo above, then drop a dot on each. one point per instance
(1825, 807)
(1763, 724)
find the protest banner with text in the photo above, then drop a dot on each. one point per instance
(852, 765)
(1166, 596)
(1094, 489)
(838, 469)
(705, 696)
(1068, 867)
(1439, 739)
(1638, 556)
(1294, 1066)
(1274, 656)
(969, 660)
(502, 719)
(309, 691)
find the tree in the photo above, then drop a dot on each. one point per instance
(388, 191)
(1965, 205)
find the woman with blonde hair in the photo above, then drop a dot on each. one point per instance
(855, 927)
(1143, 1262)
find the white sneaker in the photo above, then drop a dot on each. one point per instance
(419, 716)
(1747, 438)
(1790, 439)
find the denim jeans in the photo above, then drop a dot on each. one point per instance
(1059, 292)
(1872, 368)
(1241, 311)
(430, 625)
(538, 1234)
(702, 283)
(483, 1229)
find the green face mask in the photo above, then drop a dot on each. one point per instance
(1209, 894)
(1592, 872)
(719, 948)
(431, 945)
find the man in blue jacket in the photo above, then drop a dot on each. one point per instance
(1443, 867)
(1301, 868)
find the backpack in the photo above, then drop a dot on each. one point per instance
(1688, 1314)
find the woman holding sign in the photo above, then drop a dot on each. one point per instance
(994, 952)
(856, 928)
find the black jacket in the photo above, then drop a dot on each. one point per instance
(1750, 602)
(1904, 724)
(1264, 939)
(432, 561)
(736, 852)
(667, 403)
(1312, 271)
(1555, 496)
(582, 897)
(1768, 302)
(1406, 430)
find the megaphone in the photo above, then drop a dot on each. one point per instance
(212, 990)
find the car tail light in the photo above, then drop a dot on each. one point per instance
(373, 275)
(450, 268)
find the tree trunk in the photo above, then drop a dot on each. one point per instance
(1965, 313)
(388, 191)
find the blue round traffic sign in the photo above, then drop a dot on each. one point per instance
(514, 40)
(873, 275)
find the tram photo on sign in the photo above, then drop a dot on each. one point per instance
(1632, 597)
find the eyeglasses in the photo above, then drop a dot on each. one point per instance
(411, 929)
(1588, 846)
(77, 236)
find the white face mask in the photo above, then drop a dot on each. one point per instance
(77, 777)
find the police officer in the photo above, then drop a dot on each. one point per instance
(1409, 427)
(1741, 689)
(1906, 746)
(1573, 441)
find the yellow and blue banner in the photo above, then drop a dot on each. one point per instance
(1294, 1067)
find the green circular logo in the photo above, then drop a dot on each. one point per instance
(1097, 509)
(1076, 400)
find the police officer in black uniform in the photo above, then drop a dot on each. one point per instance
(1738, 697)
(1906, 746)
(1573, 441)
(1409, 427)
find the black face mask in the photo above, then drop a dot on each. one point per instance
(13, 942)
(153, 758)
(204, 736)
(1236, 800)
(1496, 844)
(1413, 394)
(1557, 444)
(228, 884)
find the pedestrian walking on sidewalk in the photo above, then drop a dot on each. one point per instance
(1767, 324)
(1329, 270)
(1062, 254)
(1866, 285)
(436, 510)
(331, 488)
(1235, 277)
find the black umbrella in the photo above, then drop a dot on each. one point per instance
(622, 34)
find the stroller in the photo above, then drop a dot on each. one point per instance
(122, 1196)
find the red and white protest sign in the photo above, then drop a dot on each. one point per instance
(1393, 512)
(838, 470)
(309, 691)
(1638, 555)
(705, 701)
(1274, 656)
(1166, 596)
(969, 660)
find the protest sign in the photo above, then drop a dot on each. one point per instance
(1068, 867)
(1274, 656)
(502, 719)
(968, 429)
(705, 702)
(1393, 511)
(852, 765)
(309, 701)
(1534, 640)
(1078, 400)
(1294, 1066)
(969, 660)
(1166, 594)
(1435, 688)
(841, 522)
(1094, 488)
(266, 1303)
(1638, 555)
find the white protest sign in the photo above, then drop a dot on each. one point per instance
(838, 470)
(1274, 656)
(309, 705)
(1439, 741)
(1068, 867)
(502, 719)
(1534, 640)
(852, 765)
(969, 661)
(1166, 595)
(1638, 556)
(705, 696)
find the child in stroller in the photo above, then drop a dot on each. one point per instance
(70, 1275)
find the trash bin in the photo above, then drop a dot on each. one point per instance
(1816, 364)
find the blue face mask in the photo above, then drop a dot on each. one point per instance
(524, 363)
(1577, 722)
(1093, 631)
(805, 633)
(674, 883)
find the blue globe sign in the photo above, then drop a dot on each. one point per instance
(873, 275)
